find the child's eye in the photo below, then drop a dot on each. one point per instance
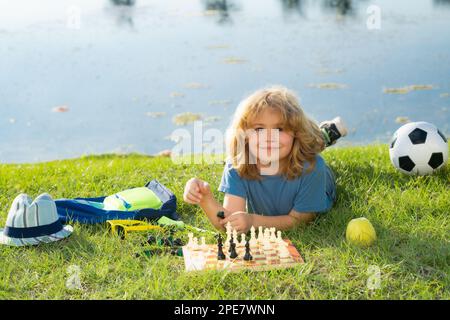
(259, 129)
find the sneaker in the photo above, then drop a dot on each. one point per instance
(333, 130)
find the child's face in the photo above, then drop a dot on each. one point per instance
(268, 141)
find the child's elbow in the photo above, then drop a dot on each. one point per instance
(303, 217)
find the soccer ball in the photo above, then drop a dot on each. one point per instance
(418, 148)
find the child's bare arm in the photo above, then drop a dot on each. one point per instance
(198, 192)
(284, 222)
(211, 206)
(243, 221)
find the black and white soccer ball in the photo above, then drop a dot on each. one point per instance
(418, 148)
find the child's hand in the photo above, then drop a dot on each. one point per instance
(196, 190)
(239, 220)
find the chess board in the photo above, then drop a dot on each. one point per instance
(205, 258)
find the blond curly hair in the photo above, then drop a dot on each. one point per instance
(308, 139)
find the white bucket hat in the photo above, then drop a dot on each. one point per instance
(30, 223)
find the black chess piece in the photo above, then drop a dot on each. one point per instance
(221, 215)
(219, 239)
(220, 254)
(247, 256)
(178, 242)
(229, 247)
(151, 239)
(233, 253)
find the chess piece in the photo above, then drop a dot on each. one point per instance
(191, 241)
(151, 239)
(273, 237)
(220, 254)
(233, 253)
(279, 239)
(260, 235)
(178, 242)
(284, 254)
(195, 245)
(228, 228)
(230, 244)
(247, 256)
(267, 247)
(221, 215)
(253, 240)
(203, 246)
(235, 236)
(266, 234)
(242, 243)
(268, 252)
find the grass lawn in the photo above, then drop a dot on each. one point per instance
(410, 215)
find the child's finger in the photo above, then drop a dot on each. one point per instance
(195, 186)
(195, 194)
(225, 220)
(195, 197)
(236, 225)
(191, 200)
(204, 186)
(231, 218)
(228, 219)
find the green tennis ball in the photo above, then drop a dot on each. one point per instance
(361, 232)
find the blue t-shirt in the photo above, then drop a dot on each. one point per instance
(275, 195)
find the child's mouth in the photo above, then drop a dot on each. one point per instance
(269, 148)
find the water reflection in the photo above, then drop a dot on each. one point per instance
(342, 7)
(222, 8)
(302, 50)
(292, 6)
(299, 7)
(123, 2)
(441, 3)
(123, 11)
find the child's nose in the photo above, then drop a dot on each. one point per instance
(272, 135)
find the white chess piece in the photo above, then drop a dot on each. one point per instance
(235, 236)
(279, 238)
(242, 240)
(253, 241)
(267, 250)
(252, 232)
(273, 237)
(228, 228)
(266, 246)
(195, 244)
(190, 241)
(266, 234)
(284, 253)
(203, 241)
(260, 235)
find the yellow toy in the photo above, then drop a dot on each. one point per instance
(361, 232)
(122, 227)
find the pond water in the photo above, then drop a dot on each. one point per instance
(123, 69)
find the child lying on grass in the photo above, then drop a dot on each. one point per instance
(274, 175)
